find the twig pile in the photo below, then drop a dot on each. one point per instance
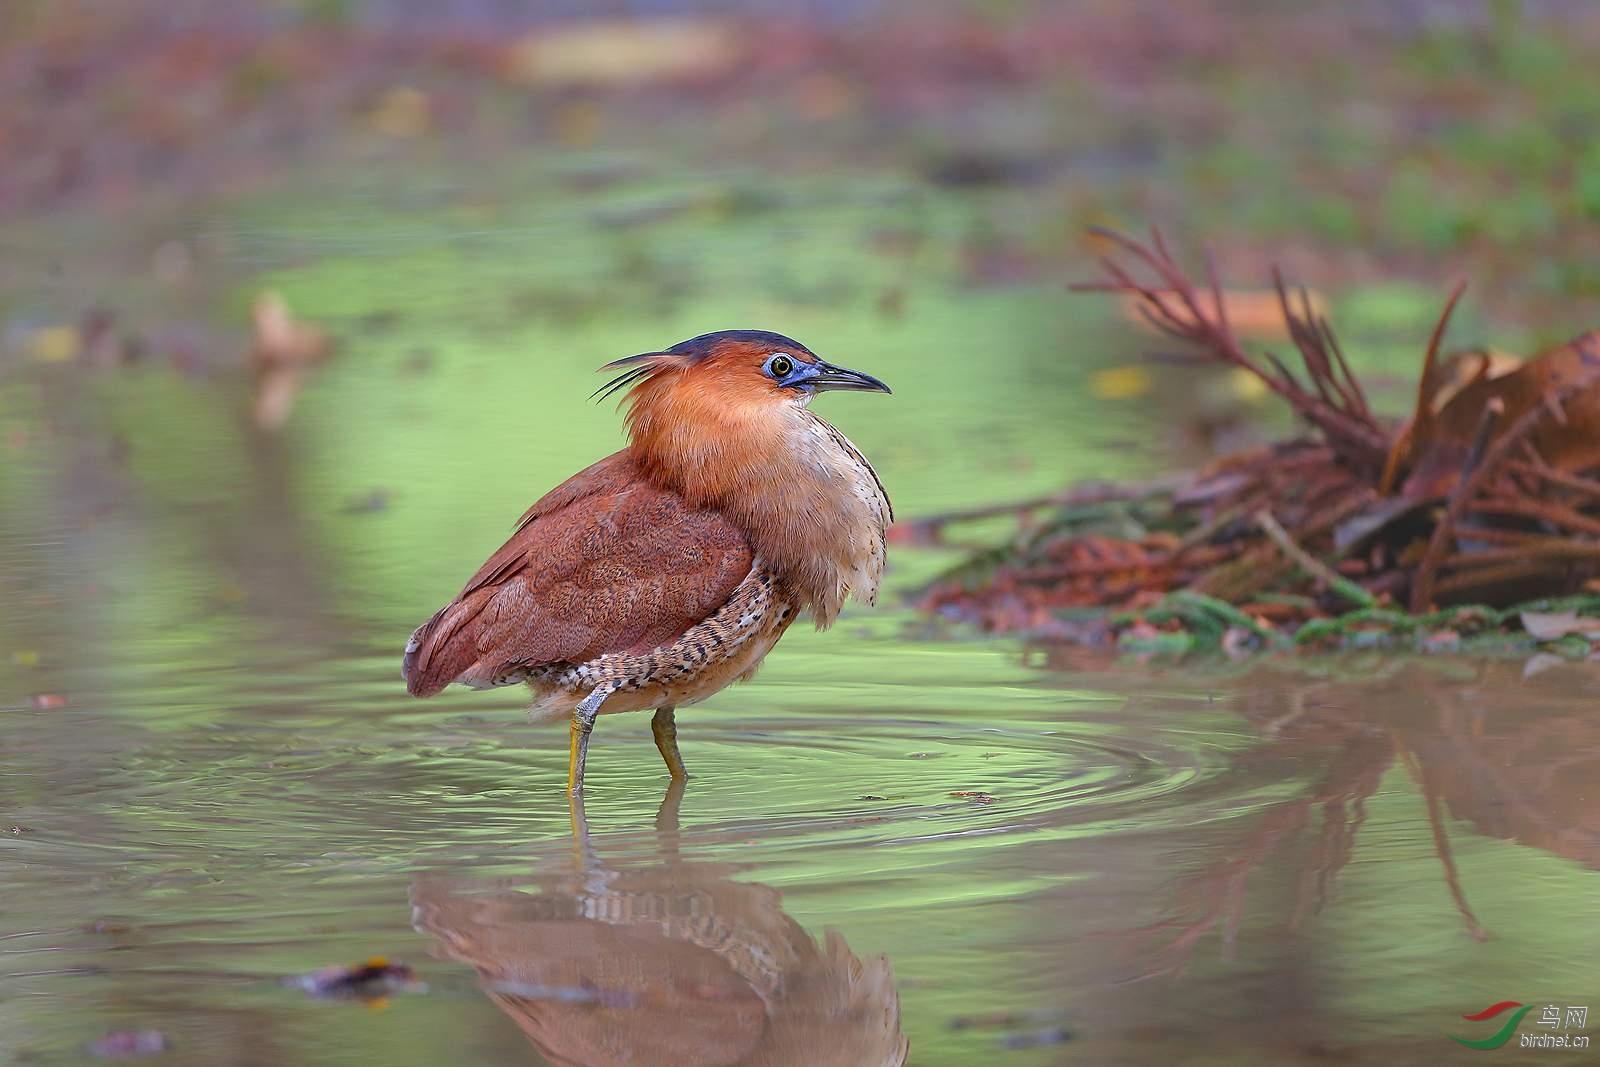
(1489, 493)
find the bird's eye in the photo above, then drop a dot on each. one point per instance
(779, 367)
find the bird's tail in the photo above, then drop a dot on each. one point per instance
(442, 649)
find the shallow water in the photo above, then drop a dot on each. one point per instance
(211, 777)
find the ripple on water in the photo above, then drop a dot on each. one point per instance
(382, 780)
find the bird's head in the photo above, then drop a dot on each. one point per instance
(745, 370)
(711, 412)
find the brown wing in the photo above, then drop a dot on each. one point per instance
(605, 562)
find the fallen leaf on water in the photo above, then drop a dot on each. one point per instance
(617, 52)
(1119, 383)
(1246, 386)
(282, 350)
(280, 339)
(373, 978)
(53, 344)
(977, 796)
(1554, 625)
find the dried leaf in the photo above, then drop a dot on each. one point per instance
(1460, 369)
(280, 340)
(1119, 383)
(53, 344)
(617, 52)
(1440, 447)
(283, 348)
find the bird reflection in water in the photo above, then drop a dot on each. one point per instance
(662, 961)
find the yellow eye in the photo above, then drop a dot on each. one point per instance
(779, 367)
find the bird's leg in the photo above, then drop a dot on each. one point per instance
(671, 804)
(583, 855)
(665, 728)
(667, 822)
(583, 717)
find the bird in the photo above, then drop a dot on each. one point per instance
(662, 958)
(668, 570)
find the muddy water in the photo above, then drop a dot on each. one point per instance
(210, 776)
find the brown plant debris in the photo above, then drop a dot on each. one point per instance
(1487, 495)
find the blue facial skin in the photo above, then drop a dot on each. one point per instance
(818, 376)
(798, 376)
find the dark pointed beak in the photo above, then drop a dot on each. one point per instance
(842, 378)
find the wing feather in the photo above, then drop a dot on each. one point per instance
(606, 562)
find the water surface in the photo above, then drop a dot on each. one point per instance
(211, 777)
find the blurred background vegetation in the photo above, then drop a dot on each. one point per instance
(475, 202)
(864, 175)
(467, 205)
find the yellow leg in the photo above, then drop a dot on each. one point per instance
(583, 717)
(583, 854)
(667, 814)
(580, 827)
(577, 754)
(665, 728)
(667, 836)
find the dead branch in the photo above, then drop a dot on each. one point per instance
(1422, 415)
(1274, 528)
(1173, 307)
(1313, 567)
